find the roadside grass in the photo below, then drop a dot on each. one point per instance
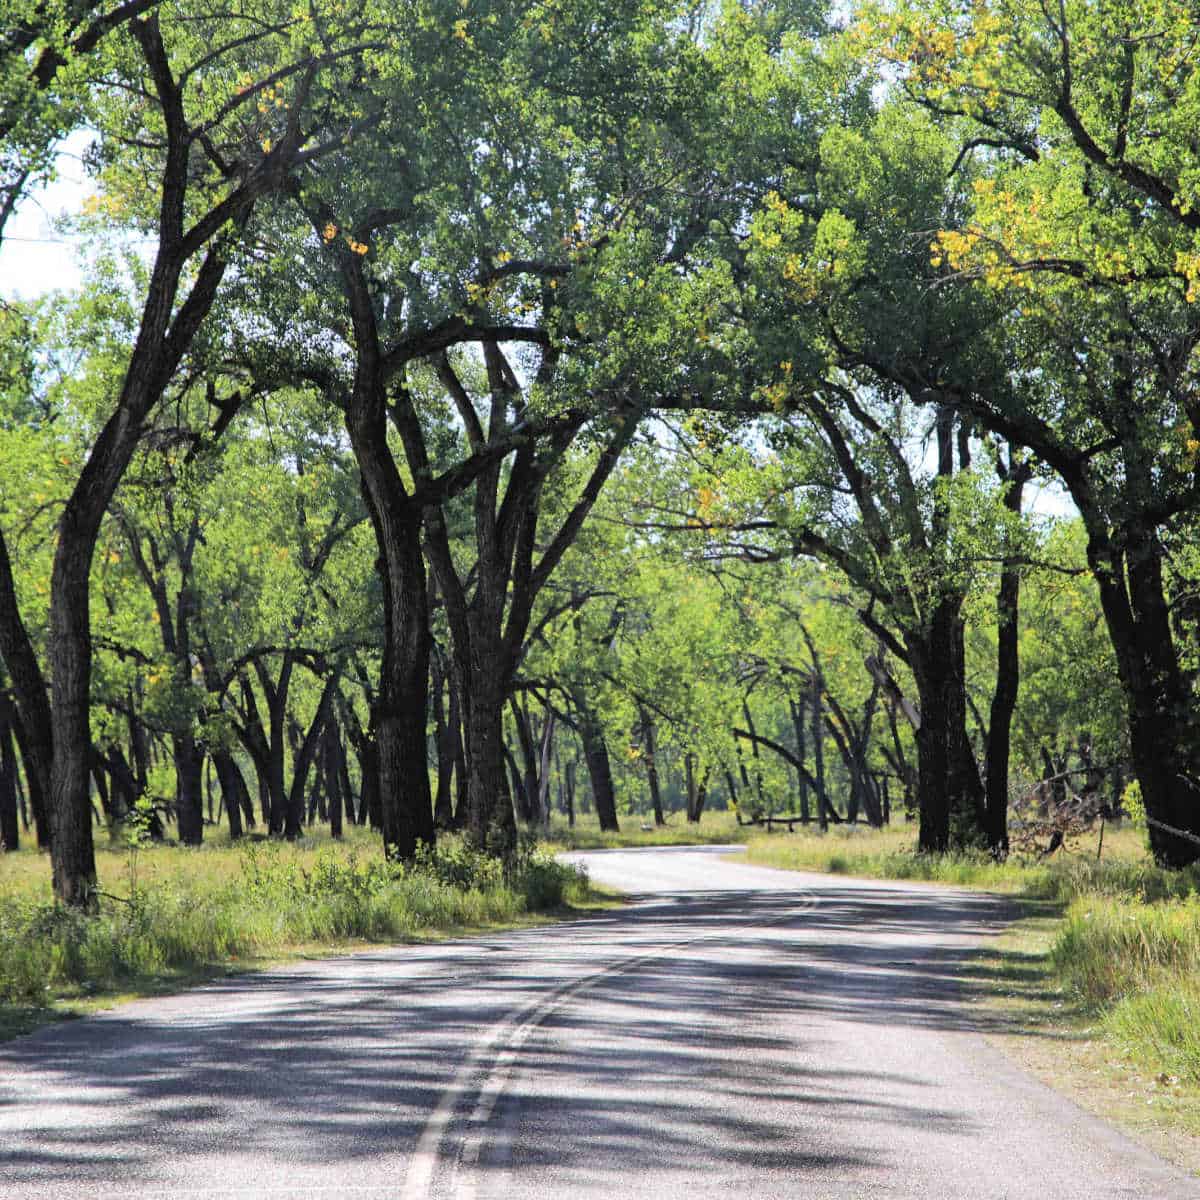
(713, 828)
(172, 916)
(1096, 988)
(1124, 868)
(1069, 1041)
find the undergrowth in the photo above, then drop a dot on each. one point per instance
(275, 900)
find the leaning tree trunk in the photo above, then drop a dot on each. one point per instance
(651, 736)
(10, 837)
(233, 790)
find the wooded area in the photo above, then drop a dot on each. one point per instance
(474, 409)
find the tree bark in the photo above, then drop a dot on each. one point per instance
(595, 753)
(10, 835)
(189, 788)
(443, 804)
(650, 734)
(1008, 675)
(233, 790)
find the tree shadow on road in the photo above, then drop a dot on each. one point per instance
(699, 1042)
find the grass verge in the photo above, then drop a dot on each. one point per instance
(715, 828)
(172, 917)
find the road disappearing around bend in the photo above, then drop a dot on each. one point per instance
(735, 1031)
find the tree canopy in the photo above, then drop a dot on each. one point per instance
(776, 407)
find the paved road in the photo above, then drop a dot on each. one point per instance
(736, 1032)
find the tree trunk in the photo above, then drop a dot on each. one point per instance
(1163, 729)
(797, 711)
(330, 769)
(527, 792)
(1008, 679)
(818, 739)
(443, 804)
(10, 837)
(489, 823)
(519, 798)
(701, 799)
(72, 849)
(303, 760)
(401, 706)
(233, 789)
(651, 737)
(189, 788)
(370, 806)
(32, 720)
(543, 797)
(595, 753)
(950, 795)
(569, 783)
(689, 774)
(34, 785)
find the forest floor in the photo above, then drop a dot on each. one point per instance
(173, 917)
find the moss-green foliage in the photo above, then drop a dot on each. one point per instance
(276, 900)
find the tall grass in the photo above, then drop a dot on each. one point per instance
(1136, 965)
(276, 899)
(1125, 870)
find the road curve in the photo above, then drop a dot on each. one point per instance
(735, 1031)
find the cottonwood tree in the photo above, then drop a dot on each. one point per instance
(197, 120)
(1085, 221)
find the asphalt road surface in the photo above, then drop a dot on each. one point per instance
(735, 1032)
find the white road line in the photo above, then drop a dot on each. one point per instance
(513, 1032)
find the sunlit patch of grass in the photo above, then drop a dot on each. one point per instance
(1111, 948)
(713, 828)
(1159, 1027)
(1124, 869)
